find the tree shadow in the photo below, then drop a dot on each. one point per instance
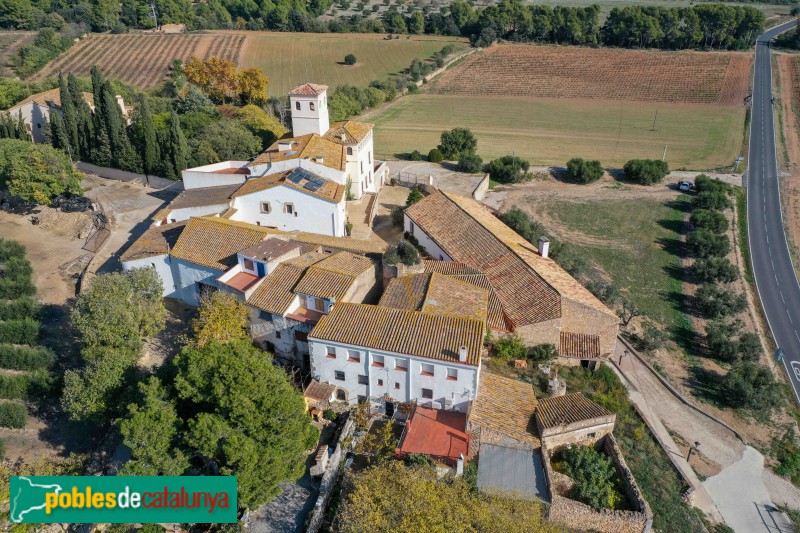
(675, 226)
(704, 383)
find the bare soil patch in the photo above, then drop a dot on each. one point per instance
(720, 78)
(789, 83)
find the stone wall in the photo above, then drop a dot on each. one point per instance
(481, 435)
(547, 332)
(481, 189)
(584, 432)
(578, 318)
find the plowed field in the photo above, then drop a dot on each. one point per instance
(606, 74)
(141, 59)
(10, 42)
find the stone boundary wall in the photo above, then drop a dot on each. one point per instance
(479, 192)
(122, 175)
(329, 479)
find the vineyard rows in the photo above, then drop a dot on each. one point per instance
(609, 74)
(10, 42)
(142, 60)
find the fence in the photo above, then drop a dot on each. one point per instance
(407, 179)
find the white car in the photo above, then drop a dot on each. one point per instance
(684, 185)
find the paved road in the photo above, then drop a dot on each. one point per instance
(772, 265)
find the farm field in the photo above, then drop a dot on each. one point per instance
(288, 59)
(601, 73)
(550, 131)
(10, 42)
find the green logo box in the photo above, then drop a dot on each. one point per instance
(122, 499)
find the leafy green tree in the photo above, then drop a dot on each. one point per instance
(36, 172)
(646, 171)
(246, 418)
(435, 156)
(58, 133)
(457, 142)
(509, 347)
(223, 141)
(750, 386)
(707, 244)
(715, 302)
(471, 163)
(594, 477)
(222, 317)
(193, 101)
(509, 169)
(148, 147)
(101, 148)
(713, 221)
(543, 353)
(519, 221)
(721, 342)
(750, 348)
(404, 253)
(703, 183)
(715, 200)
(584, 171)
(715, 269)
(413, 197)
(152, 430)
(349, 59)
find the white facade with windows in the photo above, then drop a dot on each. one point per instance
(362, 373)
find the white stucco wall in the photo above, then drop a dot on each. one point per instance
(35, 117)
(206, 176)
(162, 264)
(339, 176)
(177, 215)
(312, 213)
(306, 120)
(460, 391)
(187, 275)
(424, 240)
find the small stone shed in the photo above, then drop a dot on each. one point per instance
(572, 419)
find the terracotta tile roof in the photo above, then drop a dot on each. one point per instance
(319, 391)
(331, 191)
(333, 277)
(359, 246)
(276, 292)
(450, 296)
(505, 406)
(270, 248)
(580, 345)
(568, 409)
(450, 268)
(347, 263)
(203, 196)
(348, 132)
(309, 147)
(213, 242)
(309, 89)
(406, 293)
(436, 433)
(51, 97)
(404, 332)
(158, 240)
(529, 286)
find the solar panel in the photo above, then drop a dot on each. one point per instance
(316, 179)
(295, 176)
(312, 186)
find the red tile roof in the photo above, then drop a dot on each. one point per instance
(309, 89)
(439, 434)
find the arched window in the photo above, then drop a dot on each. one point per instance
(297, 105)
(340, 395)
(311, 106)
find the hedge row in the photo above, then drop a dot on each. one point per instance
(20, 331)
(11, 289)
(24, 307)
(13, 415)
(23, 386)
(26, 357)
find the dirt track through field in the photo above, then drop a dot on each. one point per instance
(720, 78)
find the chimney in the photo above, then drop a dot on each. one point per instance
(462, 354)
(284, 146)
(544, 247)
(320, 159)
(460, 465)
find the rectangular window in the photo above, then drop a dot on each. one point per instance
(349, 150)
(265, 207)
(452, 374)
(248, 264)
(427, 394)
(277, 334)
(363, 380)
(380, 383)
(377, 360)
(319, 305)
(362, 166)
(401, 365)
(297, 105)
(331, 351)
(288, 209)
(353, 355)
(311, 106)
(426, 369)
(339, 375)
(301, 336)
(396, 385)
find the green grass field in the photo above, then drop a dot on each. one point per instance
(289, 59)
(641, 240)
(550, 132)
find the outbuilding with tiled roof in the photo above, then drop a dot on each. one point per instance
(572, 418)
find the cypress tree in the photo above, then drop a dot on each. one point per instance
(58, 133)
(101, 153)
(98, 80)
(70, 118)
(84, 120)
(149, 148)
(178, 149)
(22, 130)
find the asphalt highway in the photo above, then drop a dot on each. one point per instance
(774, 273)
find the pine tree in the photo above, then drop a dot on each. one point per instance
(178, 149)
(149, 148)
(70, 118)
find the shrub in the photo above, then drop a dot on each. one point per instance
(330, 414)
(11, 289)
(519, 221)
(404, 252)
(711, 200)
(25, 357)
(17, 268)
(750, 347)
(543, 353)
(703, 183)
(510, 347)
(9, 249)
(712, 220)
(652, 338)
(415, 156)
(13, 415)
(22, 307)
(312, 436)
(750, 386)
(2, 449)
(456, 143)
(420, 460)
(14, 386)
(349, 59)
(19, 331)
(646, 171)
(715, 269)
(707, 244)
(435, 156)
(470, 163)
(397, 216)
(413, 197)
(719, 338)
(605, 292)
(583, 171)
(714, 302)
(509, 169)
(594, 477)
